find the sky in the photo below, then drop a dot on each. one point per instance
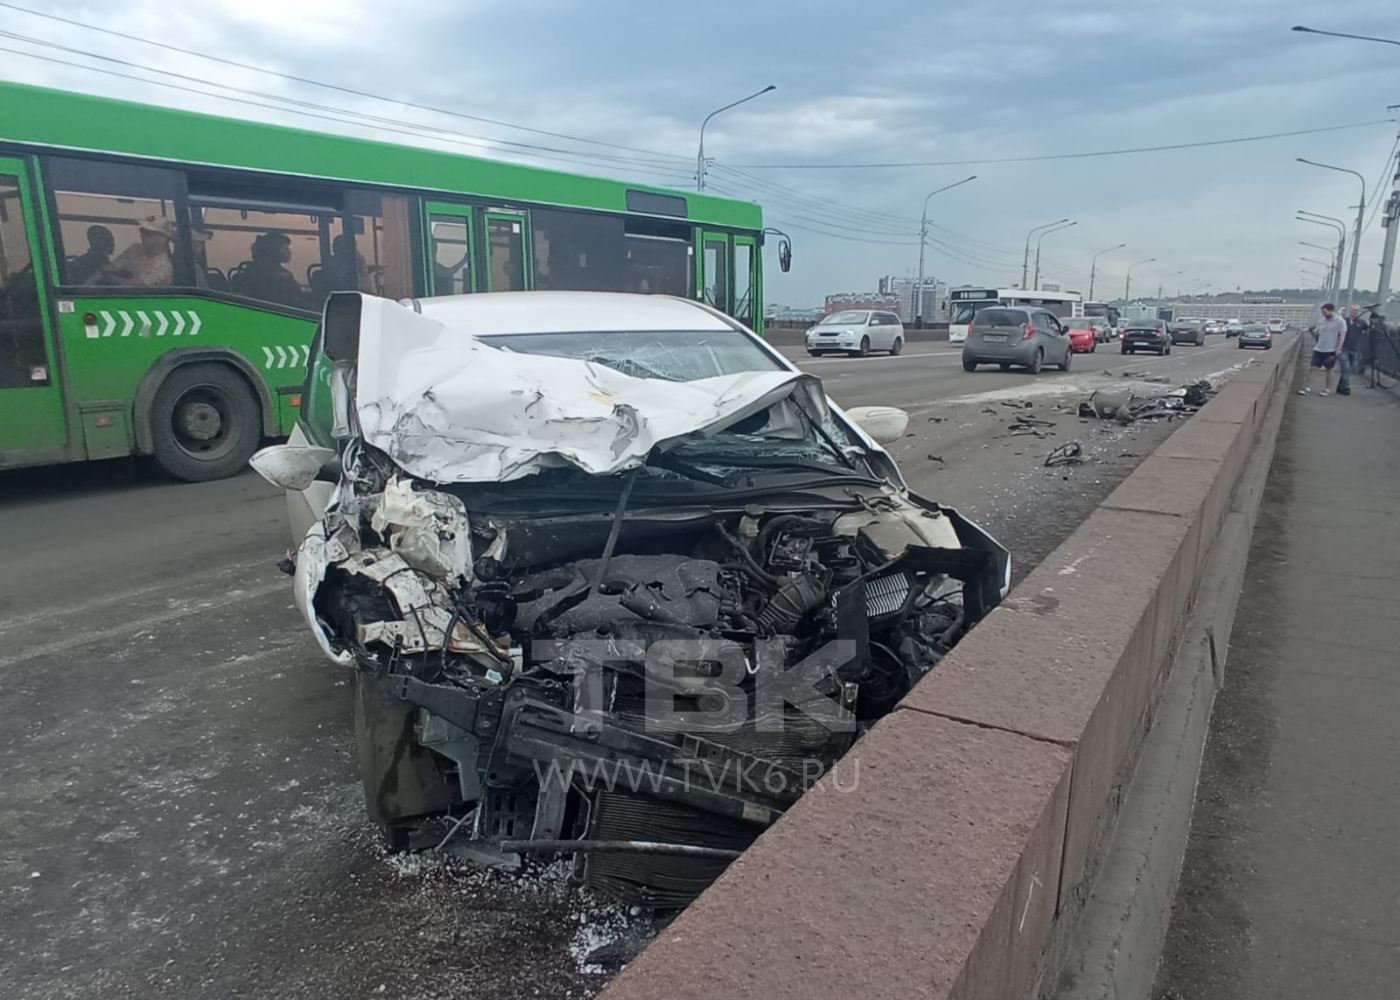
(881, 82)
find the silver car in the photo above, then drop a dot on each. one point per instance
(1009, 335)
(856, 332)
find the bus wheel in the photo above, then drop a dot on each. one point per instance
(205, 423)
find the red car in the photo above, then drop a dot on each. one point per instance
(1083, 334)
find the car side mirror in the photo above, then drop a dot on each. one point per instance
(883, 423)
(295, 467)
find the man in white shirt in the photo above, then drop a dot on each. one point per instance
(1329, 333)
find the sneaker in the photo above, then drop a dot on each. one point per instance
(1343, 392)
(1325, 392)
(1304, 391)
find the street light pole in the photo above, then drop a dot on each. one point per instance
(1331, 253)
(1037, 249)
(1360, 222)
(1128, 281)
(1160, 283)
(1341, 227)
(918, 309)
(1026, 257)
(700, 156)
(1339, 34)
(1094, 265)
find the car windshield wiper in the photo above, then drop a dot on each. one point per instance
(777, 462)
(669, 462)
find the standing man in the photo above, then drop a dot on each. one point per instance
(1328, 335)
(1351, 350)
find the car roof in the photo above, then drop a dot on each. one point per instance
(506, 313)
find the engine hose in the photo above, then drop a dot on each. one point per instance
(758, 571)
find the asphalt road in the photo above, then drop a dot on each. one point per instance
(182, 816)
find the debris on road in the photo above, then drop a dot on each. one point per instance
(1022, 420)
(1125, 405)
(1069, 453)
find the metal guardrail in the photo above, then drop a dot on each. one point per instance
(1381, 354)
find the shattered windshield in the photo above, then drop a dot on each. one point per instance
(674, 355)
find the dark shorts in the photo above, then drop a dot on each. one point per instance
(1322, 359)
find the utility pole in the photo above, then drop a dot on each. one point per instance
(1036, 284)
(1390, 219)
(916, 307)
(1026, 257)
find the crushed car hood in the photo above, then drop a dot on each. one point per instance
(448, 408)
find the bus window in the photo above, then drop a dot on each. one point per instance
(658, 258)
(743, 281)
(716, 286)
(385, 263)
(450, 237)
(505, 238)
(272, 255)
(103, 210)
(577, 251)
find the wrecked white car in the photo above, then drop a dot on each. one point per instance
(615, 578)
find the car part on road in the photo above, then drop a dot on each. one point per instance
(1069, 453)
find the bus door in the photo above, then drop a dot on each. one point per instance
(448, 229)
(31, 401)
(713, 269)
(508, 265)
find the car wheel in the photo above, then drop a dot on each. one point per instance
(1094, 347)
(1064, 365)
(969, 365)
(1241, 346)
(896, 347)
(1201, 341)
(206, 422)
(1125, 349)
(1037, 361)
(1005, 366)
(1164, 350)
(815, 354)
(864, 348)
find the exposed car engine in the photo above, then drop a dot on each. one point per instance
(615, 673)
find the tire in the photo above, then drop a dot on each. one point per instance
(1201, 341)
(1036, 362)
(1241, 347)
(969, 365)
(1064, 365)
(815, 354)
(1005, 366)
(864, 350)
(896, 347)
(1268, 347)
(1125, 349)
(206, 422)
(1094, 347)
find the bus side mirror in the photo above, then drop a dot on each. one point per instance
(785, 254)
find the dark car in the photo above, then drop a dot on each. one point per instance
(1255, 335)
(1188, 331)
(1011, 335)
(1147, 335)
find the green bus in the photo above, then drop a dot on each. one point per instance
(162, 272)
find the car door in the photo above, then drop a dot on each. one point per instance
(1058, 337)
(889, 327)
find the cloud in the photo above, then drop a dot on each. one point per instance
(894, 80)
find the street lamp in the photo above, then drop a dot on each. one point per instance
(700, 157)
(1327, 250)
(923, 238)
(1340, 226)
(1026, 257)
(1159, 284)
(1128, 281)
(1037, 248)
(1339, 34)
(1093, 266)
(1360, 221)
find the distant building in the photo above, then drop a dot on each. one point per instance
(1297, 314)
(861, 300)
(935, 295)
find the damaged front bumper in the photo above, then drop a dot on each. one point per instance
(646, 689)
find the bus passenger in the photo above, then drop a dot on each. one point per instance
(83, 268)
(267, 277)
(146, 264)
